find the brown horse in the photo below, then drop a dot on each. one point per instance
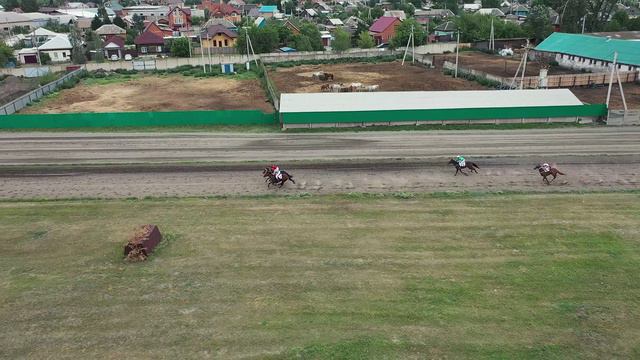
(328, 76)
(467, 164)
(552, 172)
(272, 180)
(325, 88)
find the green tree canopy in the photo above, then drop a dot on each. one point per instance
(538, 24)
(77, 50)
(6, 54)
(104, 17)
(119, 22)
(403, 31)
(476, 27)
(311, 31)
(342, 41)
(365, 40)
(180, 47)
(29, 5)
(96, 23)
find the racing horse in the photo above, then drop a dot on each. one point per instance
(467, 164)
(270, 177)
(553, 171)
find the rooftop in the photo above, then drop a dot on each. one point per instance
(592, 47)
(383, 23)
(422, 100)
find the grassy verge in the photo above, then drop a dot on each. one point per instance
(353, 276)
(443, 127)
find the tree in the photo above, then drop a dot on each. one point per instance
(376, 12)
(342, 41)
(538, 24)
(476, 27)
(302, 43)
(403, 31)
(96, 23)
(6, 54)
(491, 3)
(45, 59)
(365, 40)
(195, 21)
(264, 40)
(102, 12)
(29, 5)
(119, 22)
(180, 47)
(97, 46)
(77, 50)
(446, 4)
(138, 23)
(10, 5)
(311, 31)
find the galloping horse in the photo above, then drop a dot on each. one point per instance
(552, 172)
(468, 164)
(272, 180)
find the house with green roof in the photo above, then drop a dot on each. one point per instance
(588, 52)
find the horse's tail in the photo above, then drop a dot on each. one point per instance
(475, 165)
(291, 179)
(560, 172)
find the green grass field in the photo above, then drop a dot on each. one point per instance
(511, 276)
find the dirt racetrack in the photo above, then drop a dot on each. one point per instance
(391, 76)
(158, 93)
(77, 165)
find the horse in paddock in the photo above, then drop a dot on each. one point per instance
(548, 170)
(270, 177)
(328, 76)
(467, 164)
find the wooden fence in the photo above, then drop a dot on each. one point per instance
(552, 81)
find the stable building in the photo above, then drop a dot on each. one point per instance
(590, 53)
(434, 107)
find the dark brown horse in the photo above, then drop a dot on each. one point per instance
(552, 172)
(272, 180)
(467, 164)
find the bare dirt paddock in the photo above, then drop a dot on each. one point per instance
(157, 93)
(390, 76)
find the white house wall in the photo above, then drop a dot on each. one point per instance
(580, 63)
(58, 55)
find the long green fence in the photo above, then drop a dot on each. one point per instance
(137, 119)
(590, 110)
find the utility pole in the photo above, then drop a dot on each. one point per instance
(406, 49)
(492, 41)
(584, 19)
(209, 52)
(524, 67)
(413, 46)
(204, 68)
(613, 68)
(457, 50)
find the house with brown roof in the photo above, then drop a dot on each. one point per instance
(150, 42)
(109, 30)
(384, 29)
(221, 10)
(217, 36)
(158, 29)
(179, 18)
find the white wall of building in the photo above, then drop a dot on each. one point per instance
(63, 55)
(580, 63)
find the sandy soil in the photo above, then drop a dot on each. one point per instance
(599, 95)
(13, 87)
(391, 76)
(316, 180)
(158, 93)
(496, 65)
(45, 165)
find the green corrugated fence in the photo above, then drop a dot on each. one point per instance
(136, 119)
(591, 110)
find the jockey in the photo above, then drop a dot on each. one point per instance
(546, 167)
(275, 169)
(461, 161)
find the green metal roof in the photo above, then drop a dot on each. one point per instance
(592, 47)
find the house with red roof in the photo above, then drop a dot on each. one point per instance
(149, 42)
(179, 18)
(383, 29)
(113, 45)
(222, 10)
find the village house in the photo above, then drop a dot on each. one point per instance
(268, 11)
(58, 49)
(149, 43)
(383, 29)
(445, 31)
(221, 10)
(109, 30)
(179, 18)
(396, 13)
(113, 45)
(148, 12)
(221, 21)
(217, 36)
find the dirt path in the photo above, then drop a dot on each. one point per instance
(47, 165)
(158, 93)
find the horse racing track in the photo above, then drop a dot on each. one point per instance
(326, 277)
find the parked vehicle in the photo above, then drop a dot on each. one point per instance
(114, 57)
